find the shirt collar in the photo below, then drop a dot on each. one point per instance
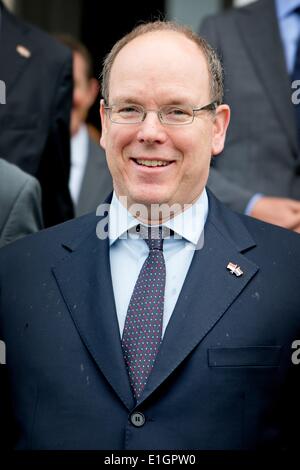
(285, 8)
(188, 224)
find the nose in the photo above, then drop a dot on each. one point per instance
(151, 130)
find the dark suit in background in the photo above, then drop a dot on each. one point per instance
(20, 204)
(261, 154)
(34, 122)
(96, 183)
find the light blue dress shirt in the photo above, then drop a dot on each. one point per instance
(127, 254)
(289, 27)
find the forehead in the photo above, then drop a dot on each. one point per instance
(163, 62)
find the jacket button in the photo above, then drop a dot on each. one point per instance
(137, 419)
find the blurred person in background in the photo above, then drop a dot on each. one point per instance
(35, 120)
(90, 180)
(259, 172)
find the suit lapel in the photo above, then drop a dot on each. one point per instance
(258, 28)
(208, 291)
(84, 280)
(12, 35)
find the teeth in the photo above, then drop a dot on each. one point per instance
(152, 162)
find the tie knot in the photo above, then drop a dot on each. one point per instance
(153, 236)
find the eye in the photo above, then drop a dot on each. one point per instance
(128, 109)
(176, 113)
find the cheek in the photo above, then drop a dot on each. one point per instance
(185, 141)
(196, 157)
(118, 141)
(115, 144)
(186, 147)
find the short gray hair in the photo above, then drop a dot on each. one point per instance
(213, 63)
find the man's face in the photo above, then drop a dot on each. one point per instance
(153, 70)
(84, 93)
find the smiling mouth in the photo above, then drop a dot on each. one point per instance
(151, 163)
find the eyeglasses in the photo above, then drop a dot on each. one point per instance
(129, 113)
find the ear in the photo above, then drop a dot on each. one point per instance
(103, 118)
(220, 124)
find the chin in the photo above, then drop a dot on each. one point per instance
(148, 197)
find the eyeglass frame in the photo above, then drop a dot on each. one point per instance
(212, 106)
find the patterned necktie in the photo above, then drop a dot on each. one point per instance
(143, 324)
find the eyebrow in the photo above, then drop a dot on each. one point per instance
(126, 99)
(135, 100)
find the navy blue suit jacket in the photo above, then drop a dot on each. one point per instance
(223, 378)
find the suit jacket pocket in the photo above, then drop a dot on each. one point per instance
(253, 356)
